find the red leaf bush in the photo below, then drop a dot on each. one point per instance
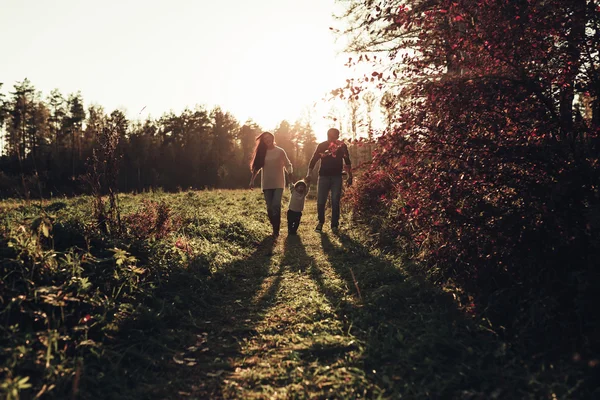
(153, 220)
(491, 173)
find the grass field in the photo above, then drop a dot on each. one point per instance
(214, 307)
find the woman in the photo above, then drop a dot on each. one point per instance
(275, 164)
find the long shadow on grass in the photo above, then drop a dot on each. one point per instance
(182, 339)
(234, 305)
(416, 343)
(294, 254)
(296, 257)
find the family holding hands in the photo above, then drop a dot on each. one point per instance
(275, 165)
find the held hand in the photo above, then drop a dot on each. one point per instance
(251, 185)
(307, 179)
(349, 180)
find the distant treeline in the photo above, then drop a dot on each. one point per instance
(49, 144)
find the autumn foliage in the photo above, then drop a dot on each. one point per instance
(491, 173)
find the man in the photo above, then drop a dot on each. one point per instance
(333, 153)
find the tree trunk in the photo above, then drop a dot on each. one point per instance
(567, 93)
(72, 153)
(596, 106)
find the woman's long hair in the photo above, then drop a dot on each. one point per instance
(258, 157)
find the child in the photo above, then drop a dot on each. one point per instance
(299, 190)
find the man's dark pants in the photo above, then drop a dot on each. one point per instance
(325, 185)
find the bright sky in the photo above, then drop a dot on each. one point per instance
(267, 60)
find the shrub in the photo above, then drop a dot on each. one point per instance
(491, 173)
(153, 220)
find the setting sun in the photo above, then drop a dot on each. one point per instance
(282, 71)
(277, 80)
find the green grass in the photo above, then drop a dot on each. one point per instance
(218, 309)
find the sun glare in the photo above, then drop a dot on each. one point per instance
(285, 78)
